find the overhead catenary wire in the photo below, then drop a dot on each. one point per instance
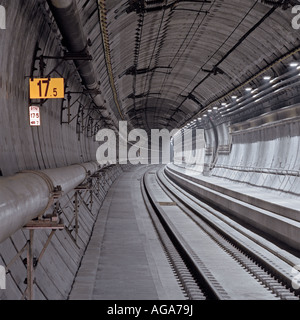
(220, 47)
(182, 43)
(151, 77)
(240, 41)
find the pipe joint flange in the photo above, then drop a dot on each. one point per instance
(44, 177)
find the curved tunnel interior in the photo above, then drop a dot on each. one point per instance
(227, 68)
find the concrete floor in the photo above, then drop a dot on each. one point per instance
(124, 259)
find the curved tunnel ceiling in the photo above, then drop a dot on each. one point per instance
(161, 61)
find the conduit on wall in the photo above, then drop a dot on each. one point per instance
(106, 46)
(69, 23)
(27, 195)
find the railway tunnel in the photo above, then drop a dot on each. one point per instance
(149, 150)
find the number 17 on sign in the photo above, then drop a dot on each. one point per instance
(46, 88)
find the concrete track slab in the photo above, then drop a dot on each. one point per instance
(279, 203)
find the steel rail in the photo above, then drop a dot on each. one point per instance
(265, 271)
(207, 282)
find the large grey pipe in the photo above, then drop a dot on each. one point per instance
(68, 20)
(25, 196)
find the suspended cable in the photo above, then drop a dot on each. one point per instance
(105, 40)
(241, 40)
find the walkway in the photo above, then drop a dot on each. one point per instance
(124, 259)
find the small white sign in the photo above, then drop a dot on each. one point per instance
(34, 116)
(2, 278)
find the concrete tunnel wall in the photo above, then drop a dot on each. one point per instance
(55, 274)
(261, 152)
(56, 145)
(53, 145)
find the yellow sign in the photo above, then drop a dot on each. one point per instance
(49, 88)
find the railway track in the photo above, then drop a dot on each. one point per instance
(210, 258)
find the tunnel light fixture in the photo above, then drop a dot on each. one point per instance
(215, 108)
(248, 89)
(234, 97)
(294, 64)
(267, 78)
(209, 110)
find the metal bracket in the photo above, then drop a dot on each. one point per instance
(94, 187)
(70, 105)
(84, 55)
(77, 200)
(66, 57)
(49, 222)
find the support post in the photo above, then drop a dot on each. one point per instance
(30, 268)
(76, 215)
